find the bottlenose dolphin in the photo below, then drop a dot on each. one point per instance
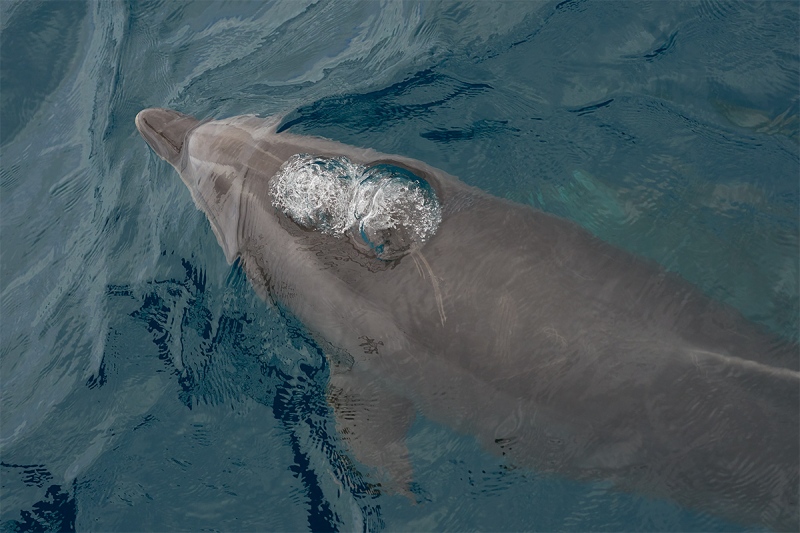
(553, 348)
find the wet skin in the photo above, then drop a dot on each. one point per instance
(551, 347)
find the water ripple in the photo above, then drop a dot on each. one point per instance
(140, 372)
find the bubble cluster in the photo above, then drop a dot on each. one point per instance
(315, 192)
(385, 209)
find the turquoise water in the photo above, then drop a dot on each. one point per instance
(145, 386)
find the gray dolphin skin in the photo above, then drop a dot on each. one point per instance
(554, 349)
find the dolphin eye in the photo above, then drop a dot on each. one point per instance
(384, 209)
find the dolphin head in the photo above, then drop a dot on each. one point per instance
(269, 198)
(165, 130)
(235, 167)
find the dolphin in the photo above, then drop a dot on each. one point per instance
(556, 350)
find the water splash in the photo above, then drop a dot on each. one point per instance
(316, 192)
(385, 209)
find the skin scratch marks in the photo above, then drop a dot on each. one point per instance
(370, 345)
(506, 319)
(554, 335)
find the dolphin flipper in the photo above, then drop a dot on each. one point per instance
(374, 423)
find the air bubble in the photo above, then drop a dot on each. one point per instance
(315, 192)
(385, 209)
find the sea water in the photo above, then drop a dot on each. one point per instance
(146, 387)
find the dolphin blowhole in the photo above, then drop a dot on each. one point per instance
(385, 209)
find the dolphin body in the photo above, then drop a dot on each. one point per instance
(554, 348)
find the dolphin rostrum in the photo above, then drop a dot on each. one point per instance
(554, 348)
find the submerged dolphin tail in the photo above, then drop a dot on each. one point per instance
(165, 131)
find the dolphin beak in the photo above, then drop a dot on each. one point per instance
(165, 131)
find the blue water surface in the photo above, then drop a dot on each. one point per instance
(146, 387)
